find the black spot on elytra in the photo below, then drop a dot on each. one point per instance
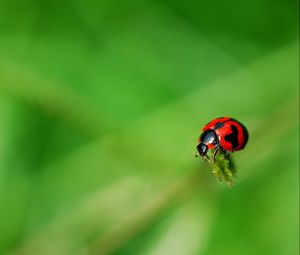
(245, 132)
(219, 125)
(233, 137)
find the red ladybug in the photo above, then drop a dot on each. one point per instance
(225, 134)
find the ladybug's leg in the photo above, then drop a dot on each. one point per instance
(222, 149)
(215, 154)
(205, 157)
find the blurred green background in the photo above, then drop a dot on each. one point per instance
(101, 104)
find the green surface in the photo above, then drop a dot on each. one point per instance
(101, 104)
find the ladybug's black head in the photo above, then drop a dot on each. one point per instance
(202, 149)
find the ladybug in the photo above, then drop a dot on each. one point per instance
(225, 134)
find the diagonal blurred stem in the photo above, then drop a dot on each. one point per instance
(54, 99)
(142, 217)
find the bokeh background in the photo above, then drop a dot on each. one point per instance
(101, 104)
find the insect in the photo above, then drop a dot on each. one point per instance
(225, 134)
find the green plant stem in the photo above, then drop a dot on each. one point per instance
(54, 99)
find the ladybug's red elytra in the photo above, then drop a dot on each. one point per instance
(225, 134)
